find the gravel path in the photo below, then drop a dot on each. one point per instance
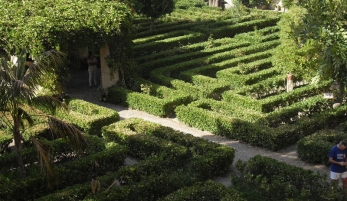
(78, 88)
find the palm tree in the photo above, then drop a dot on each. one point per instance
(20, 103)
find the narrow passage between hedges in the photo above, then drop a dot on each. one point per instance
(78, 88)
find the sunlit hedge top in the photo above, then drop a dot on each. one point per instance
(43, 24)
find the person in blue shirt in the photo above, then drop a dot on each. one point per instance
(338, 164)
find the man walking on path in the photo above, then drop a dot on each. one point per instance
(337, 159)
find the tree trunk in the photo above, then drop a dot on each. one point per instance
(19, 147)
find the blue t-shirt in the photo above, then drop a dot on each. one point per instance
(340, 156)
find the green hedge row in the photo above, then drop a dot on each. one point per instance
(232, 30)
(202, 158)
(83, 190)
(150, 188)
(208, 190)
(187, 49)
(210, 71)
(88, 117)
(274, 180)
(185, 25)
(315, 148)
(228, 109)
(219, 60)
(77, 171)
(271, 103)
(162, 103)
(131, 175)
(223, 57)
(257, 135)
(211, 89)
(148, 39)
(191, 50)
(290, 114)
(146, 68)
(245, 69)
(168, 43)
(143, 27)
(60, 150)
(238, 80)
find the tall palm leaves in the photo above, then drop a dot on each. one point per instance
(19, 102)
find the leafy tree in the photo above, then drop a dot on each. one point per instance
(314, 41)
(20, 104)
(154, 8)
(41, 25)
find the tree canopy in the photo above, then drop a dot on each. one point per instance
(314, 41)
(154, 8)
(45, 24)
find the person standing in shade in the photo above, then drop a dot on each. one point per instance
(337, 160)
(92, 69)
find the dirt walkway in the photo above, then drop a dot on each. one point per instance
(79, 88)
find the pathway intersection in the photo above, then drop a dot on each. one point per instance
(78, 88)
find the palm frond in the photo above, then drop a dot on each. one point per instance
(48, 102)
(25, 116)
(45, 159)
(18, 65)
(22, 89)
(67, 132)
(5, 87)
(5, 76)
(49, 62)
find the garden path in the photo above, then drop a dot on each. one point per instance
(78, 88)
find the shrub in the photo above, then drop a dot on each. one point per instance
(315, 148)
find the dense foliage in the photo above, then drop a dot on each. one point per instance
(21, 104)
(315, 44)
(46, 24)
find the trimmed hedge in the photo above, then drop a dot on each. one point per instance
(35, 185)
(60, 151)
(163, 106)
(257, 135)
(201, 158)
(88, 117)
(145, 69)
(232, 30)
(83, 190)
(168, 43)
(270, 103)
(274, 180)
(315, 148)
(208, 190)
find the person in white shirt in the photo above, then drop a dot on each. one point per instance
(92, 69)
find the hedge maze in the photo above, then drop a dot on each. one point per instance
(211, 69)
(214, 71)
(166, 161)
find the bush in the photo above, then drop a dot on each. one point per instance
(315, 148)
(274, 180)
(208, 190)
